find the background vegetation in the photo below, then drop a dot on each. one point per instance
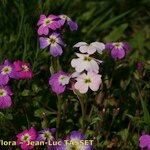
(120, 112)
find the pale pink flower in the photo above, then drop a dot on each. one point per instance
(90, 80)
(90, 48)
(85, 62)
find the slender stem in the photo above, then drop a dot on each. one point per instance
(83, 114)
(27, 118)
(36, 56)
(58, 114)
(83, 111)
(91, 111)
(55, 66)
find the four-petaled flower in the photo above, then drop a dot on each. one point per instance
(65, 19)
(23, 70)
(7, 71)
(45, 23)
(74, 142)
(46, 134)
(118, 49)
(90, 80)
(58, 82)
(54, 41)
(90, 48)
(145, 142)
(5, 97)
(85, 62)
(24, 138)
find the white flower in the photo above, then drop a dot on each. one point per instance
(90, 48)
(90, 80)
(85, 62)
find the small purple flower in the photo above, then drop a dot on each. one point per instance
(73, 142)
(46, 134)
(65, 19)
(5, 97)
(145, 142)
(46, 23)
(118, 49)
(139, 66)
(7, 71)
(54, 41)
(58, 82)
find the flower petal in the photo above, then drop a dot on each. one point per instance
(99, 46)
(55, 50)
(81, 86)
(118, 53)
(4, 79)
(43, 42)
(72, 25)
(80, 44)
(5, 102)
(96, 81)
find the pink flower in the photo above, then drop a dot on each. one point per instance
(90, 48)
(22, 69)
(90, 80)
(24, 138)
(59, 81)
(144, 142)
(85, 62)
(46, 23)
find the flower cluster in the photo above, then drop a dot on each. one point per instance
(8, 70)
(26, 139)
(50, 32)
(86, 67)
(86, 70)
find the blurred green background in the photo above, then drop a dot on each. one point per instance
(98, 20)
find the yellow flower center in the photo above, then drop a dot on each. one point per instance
(6, 70)
(47, 21)
(25, 137)
(87, 81)
(74, 147)
(118, 45)
(47, 135)
(2, 92)
(86, 58)
(52, 40)
(63, 80)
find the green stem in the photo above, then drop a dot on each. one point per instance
(36, 56)
(58, 114)
(83, 114)
(55, 66)
(81, 100)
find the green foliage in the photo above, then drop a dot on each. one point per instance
(120, 109)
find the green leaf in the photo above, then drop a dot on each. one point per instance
(42, 112)
(95, 120)
(25, 93)
(114, 19)
(146, 112)
(124, 134)
(117, 33)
